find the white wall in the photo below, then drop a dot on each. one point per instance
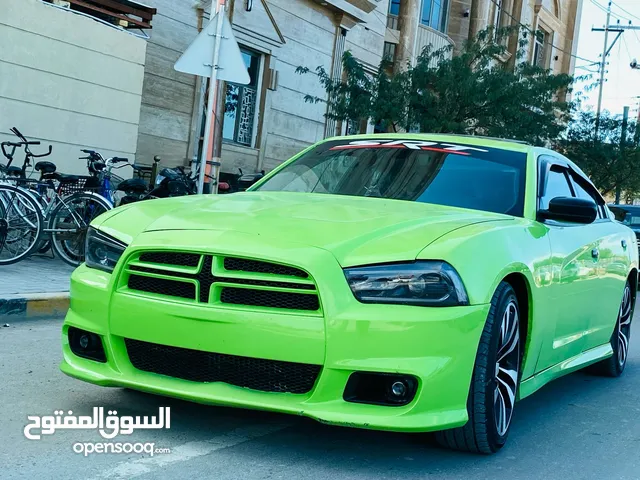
(68, 81)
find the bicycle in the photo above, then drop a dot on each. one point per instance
(65, 203)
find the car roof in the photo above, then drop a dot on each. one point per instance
(503, 143)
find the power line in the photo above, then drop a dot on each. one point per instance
(626, 11)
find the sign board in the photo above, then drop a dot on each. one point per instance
(198, 57)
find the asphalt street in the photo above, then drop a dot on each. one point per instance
(579, 427)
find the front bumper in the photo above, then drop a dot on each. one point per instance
(436, 345)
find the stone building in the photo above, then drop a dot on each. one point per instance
(458, 20)
(83, 75)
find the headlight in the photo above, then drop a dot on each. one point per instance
(159, 179)
(102, 251)
(425, 283)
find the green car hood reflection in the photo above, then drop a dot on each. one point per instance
(356, 230)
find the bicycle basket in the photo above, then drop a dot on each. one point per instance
(82, 184)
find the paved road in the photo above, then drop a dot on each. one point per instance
(580, 427)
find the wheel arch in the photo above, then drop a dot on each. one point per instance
(522, 288)
(633, 280)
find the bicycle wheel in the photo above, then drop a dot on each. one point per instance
(21, 224)
(69, 222)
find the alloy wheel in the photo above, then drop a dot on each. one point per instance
(507, 366)
(624, 326)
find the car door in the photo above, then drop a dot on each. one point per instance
(612, 266)
(574, 290)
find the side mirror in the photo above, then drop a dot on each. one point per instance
(570, 209)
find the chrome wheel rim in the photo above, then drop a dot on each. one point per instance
(624, 326)
(507, 365)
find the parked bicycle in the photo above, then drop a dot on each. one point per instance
(55, 207)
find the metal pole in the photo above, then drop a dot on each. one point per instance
(623, 139)
(602, 66)
(211, 103)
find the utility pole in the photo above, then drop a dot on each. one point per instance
(619, 29)
(603, 63)
(623, 138)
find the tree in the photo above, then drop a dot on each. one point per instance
(614, 170)
(471, 93)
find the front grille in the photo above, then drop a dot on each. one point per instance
(256, 266)
(162, 286)
(171, 258)
(209, 367)
(268, 298)
(211, 277)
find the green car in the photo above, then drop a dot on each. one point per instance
(400, 282)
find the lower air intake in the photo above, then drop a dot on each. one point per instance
(208, 367)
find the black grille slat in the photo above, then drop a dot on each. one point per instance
(257, 266)
(209, 367)
(269, 298)
(177, 285)
(172, 288)
(171, 258)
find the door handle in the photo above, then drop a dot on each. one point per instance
(595, 253)
(624, 244)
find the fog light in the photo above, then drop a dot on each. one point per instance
(86, 345)
(389, 389)
(399, 389)
(84, 341)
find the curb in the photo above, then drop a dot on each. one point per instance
(34, 306)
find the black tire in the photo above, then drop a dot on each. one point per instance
(615, 364)
(486, 432)
(74, 214)
(21, 220)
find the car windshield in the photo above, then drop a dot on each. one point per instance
(629, 217)
(480, 178)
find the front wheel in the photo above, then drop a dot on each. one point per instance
(494, 384)
(69, 223)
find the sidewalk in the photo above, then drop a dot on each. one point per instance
(36, 287)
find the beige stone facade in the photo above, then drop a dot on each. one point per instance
(556, 20)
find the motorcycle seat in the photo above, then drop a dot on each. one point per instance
(137, 185)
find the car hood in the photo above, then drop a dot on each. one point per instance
(356, 230)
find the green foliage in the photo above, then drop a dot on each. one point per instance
(613, 169)
(471, 93)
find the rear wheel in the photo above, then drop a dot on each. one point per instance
(494, 384)
(69, 223)
(614, 365)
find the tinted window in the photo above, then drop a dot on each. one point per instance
(557, 186)
(480, 178)
(581, 192)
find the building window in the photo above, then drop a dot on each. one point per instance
(394, 11)
(435, 14)
(540, 49)
(241, 103)
(389, 52)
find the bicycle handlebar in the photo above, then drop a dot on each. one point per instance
(42, 154)
(9, 156)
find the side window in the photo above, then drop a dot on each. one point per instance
(557, 186)
(584, 190)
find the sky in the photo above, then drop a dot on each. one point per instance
(623, 82)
